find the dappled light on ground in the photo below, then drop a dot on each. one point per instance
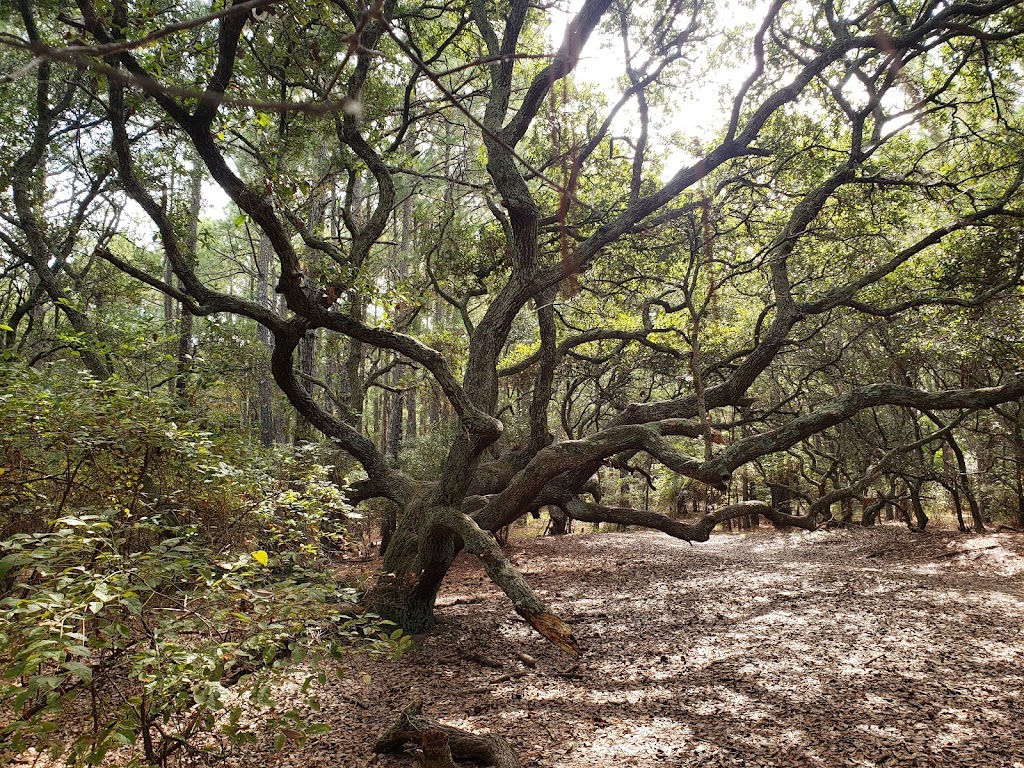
(852, 648)
(860, 648)
(856, 648)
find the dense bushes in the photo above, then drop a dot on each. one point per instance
(151, 586)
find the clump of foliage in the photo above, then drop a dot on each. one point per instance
(152, 587)
(309, 516)
(74, 442)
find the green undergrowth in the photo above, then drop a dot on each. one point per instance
(159, 581)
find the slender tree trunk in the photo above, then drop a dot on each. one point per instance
(169, 315)
(264, 382)
(186, 346)
(378, 418)
(965, 484)
(1020, 498)
(411, 426)
(169, 304)
(395, 423)
(559, 520)
(354, 392)
(1018, 482)
(438, 322)
(624, 495)
(847, 512)
(915, 500)
(870, 514)
(954, 492)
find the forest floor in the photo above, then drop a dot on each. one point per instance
(836, 648)
(865, 648)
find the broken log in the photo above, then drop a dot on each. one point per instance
(440, 742)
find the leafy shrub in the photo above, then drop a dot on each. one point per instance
(156, 579)
(73, 442)
(310, 514)
(163, 644)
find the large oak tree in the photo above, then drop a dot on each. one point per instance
(709, 300)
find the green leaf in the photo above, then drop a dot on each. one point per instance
(102, 593)
(82, 671)
(15, 560)
(133, 604)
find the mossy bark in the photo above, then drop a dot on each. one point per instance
(417, 559)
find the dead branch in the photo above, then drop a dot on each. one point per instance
(481, 660)
(958, 552)
(413, 728)
(496, 681)
(527, 659)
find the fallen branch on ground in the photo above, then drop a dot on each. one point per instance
(413, 728)
(496, 681)
(956, 552)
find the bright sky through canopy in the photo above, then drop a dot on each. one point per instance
(695, 104)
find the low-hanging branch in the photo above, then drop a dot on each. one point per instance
(589, 512)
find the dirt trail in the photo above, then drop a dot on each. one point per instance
(859, 648)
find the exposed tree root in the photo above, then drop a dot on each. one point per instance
(441, 743)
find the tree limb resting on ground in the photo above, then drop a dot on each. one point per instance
(484, 546)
